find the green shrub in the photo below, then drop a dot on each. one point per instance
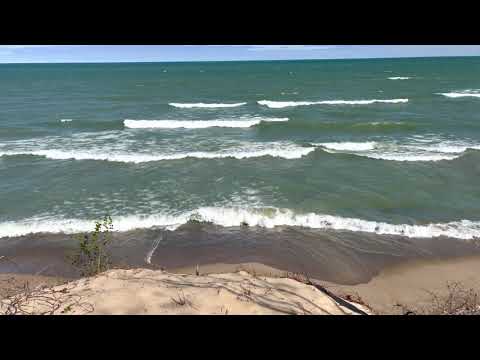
(195, 218)
(92, 255)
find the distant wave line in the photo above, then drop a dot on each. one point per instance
(197, 124)
(204, 105)
(284, 104)
(466, 93)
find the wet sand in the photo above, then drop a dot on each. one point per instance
(381, 269)
(412, 283)
(341, 257)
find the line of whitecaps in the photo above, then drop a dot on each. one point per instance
(282, 104)
(278, 150)
(416, 152)
(460, 94)
(203, 105)
(234, 217)
(198, 124)
(405, 152)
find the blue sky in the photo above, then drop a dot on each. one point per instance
(153, 53)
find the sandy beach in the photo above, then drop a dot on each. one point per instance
(413, 284)
(247, 288)
(410, 284)
(382, 272)
(142, 291)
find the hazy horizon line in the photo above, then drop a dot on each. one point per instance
(238, 60)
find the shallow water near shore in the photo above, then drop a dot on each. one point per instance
(342, 257)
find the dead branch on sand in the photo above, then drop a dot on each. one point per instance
(339, 301)
(457, 301)
(43, 301)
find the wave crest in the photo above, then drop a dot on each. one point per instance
(349, 146)
(412, 151)
(197, 124)
(284, 104)
(262, 217)
(278, 150)
(463, 93)
(204, 105)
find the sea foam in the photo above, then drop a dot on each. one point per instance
(419, 150)
(463, 93)
(197, 124)
(203, 105)
(349, 146)
(279, 150)
(284, 104)
(237, 216)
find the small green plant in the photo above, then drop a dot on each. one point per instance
(195, 218)
(92, 256)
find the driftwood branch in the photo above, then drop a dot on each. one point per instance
(304, 278)
(43, 301)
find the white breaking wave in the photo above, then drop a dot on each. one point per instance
(399, 78)
(449, 149)
(381, 123)
(262, 217)
(346, 146)
(401, 152)
(464, 93)
(283, 104)
(72, 226)
(411, 157)
(203, 105)
(285, 151)
(197, 124)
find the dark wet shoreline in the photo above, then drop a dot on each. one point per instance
(341, 257)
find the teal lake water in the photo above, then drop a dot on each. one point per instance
(387, 146)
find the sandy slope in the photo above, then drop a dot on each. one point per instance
(413, 283)
(143, 291)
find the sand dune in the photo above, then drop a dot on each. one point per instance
(143, 291)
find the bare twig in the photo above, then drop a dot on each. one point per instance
(43, 301)
(457, 301)
(304, 278)
(182, 300)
